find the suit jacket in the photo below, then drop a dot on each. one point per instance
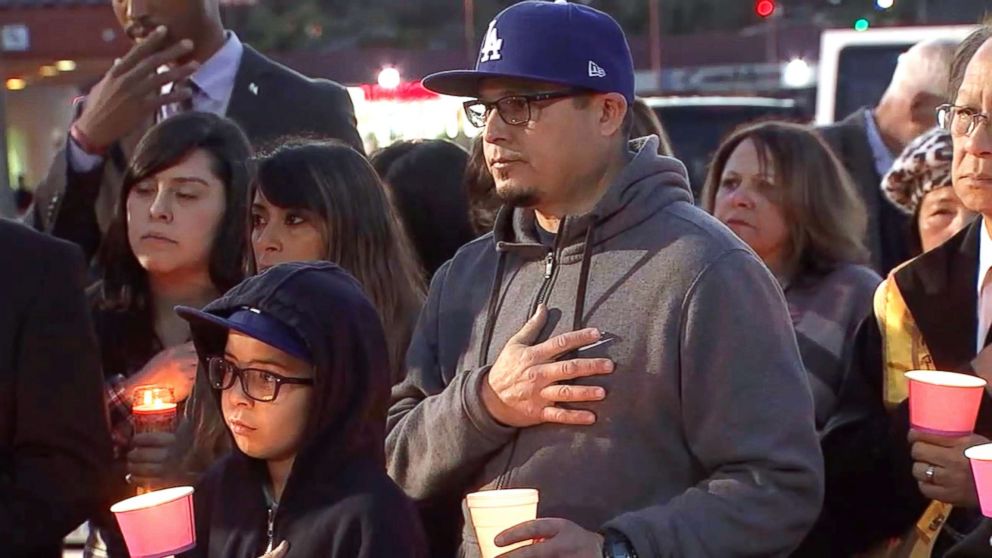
(269, 101)
(871, 493)
(888, 228)
(54, 438)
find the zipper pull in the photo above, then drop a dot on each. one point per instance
(549, 265)
(271, 531)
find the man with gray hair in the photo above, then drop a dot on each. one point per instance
(868, 140)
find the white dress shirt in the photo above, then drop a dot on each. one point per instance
(884, 158)
(214, 84)
(984, 286)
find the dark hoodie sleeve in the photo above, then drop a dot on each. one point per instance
(748, 420)
(439, 433)
(871, 492)
(384, 526)
(203, 495)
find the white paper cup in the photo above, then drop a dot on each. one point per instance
(495, 511)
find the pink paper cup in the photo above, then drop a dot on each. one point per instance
(944, 403)
(981, 468)
(157, 524)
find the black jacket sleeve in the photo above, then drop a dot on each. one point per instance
(60, 447)
(65, 204)
(871, 493)
(336, 116)
(386, 528)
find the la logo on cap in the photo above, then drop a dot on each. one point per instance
(595, 70)
(492, 46)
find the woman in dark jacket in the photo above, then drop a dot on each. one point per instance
(297, 358)
(178, 237)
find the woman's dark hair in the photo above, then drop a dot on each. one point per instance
(125, 285)
(364, 236)
(824, 213)
(424, 179)
(963, 55)
(647, 123)
(483, 203)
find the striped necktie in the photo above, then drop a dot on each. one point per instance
(187, 105)
(170, 110)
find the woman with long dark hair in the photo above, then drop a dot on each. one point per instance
(425, 181)
(323, 201)
(178, 237)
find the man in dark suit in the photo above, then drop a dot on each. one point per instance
(54, 438)
(868, 141)
(933, 313)
(183, 59)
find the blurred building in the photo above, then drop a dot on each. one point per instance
(53, 50)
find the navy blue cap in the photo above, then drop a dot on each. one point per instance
(255, 324)
(557, 42)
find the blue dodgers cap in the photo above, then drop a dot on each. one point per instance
(255, 324)
(558, 42)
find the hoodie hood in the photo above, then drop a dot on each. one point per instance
(328, 310)
(646, 185)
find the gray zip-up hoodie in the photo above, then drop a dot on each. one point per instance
(705, 444)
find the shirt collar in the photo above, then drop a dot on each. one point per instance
(215, 77)
(883, 157)
(984, 256)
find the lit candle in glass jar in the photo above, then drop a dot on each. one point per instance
(154, 409)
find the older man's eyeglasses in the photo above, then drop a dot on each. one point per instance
(515, 110)
(260, 385)
(960, 121)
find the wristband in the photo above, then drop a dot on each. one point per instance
(616, 545)
(84, 142)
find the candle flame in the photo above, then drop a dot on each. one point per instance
(153, 398)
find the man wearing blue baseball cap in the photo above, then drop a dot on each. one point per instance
(609, 343)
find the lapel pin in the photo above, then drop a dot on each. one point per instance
(253, 88)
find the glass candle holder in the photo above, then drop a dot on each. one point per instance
(154, 409)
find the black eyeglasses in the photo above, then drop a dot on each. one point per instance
(257, 384)
(515, 110)
(960, 121)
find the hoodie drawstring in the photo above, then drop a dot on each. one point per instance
(487, 332)
(487, 336)
(580, 291)
(494, 291)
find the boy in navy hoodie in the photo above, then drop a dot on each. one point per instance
(297, 359)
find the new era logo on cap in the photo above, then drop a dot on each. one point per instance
(595, 70)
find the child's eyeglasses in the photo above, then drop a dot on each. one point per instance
(260, 385)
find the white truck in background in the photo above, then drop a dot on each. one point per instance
(855, 66)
